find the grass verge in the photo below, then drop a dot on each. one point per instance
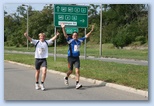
(124, 74)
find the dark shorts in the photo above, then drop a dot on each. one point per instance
(73, 61)
(40, 63)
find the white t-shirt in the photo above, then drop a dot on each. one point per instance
(41, 50)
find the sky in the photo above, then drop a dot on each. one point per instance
(12, 7)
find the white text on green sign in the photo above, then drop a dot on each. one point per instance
(73, 9)
(70, 15)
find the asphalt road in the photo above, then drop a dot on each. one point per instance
(19, 85)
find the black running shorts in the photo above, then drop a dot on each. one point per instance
(73, 61)
(40, 63)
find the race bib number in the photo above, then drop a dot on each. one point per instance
(76, 48)
(41, 51)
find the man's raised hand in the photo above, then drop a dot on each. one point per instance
(92, 28)
(57, 33)
(62, 25)
(25, 34)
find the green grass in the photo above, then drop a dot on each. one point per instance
(93, 50)
(129, 75)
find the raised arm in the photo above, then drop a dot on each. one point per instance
(55, 37)
(26, 35)
(87, 35)
(63, 29)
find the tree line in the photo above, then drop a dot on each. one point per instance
(122, 24)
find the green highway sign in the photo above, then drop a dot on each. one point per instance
(70, 30)
(71, 15)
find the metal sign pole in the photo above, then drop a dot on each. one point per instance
(100, 30)
(55, 46)
(27, 27)
(85, 46)
(27, 22)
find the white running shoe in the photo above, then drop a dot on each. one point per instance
(37, 86)
(65, 81)
(42, 87)
(78, 86)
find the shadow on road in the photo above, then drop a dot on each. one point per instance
(93, 86)
(84, 87)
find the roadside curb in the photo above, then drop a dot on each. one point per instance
(94, 81)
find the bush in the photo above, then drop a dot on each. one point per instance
(122, 38)
(141, 39)
(8, 43)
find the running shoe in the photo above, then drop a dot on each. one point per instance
(66, 81)
(78, 86)
(37, 86)
(42, 87)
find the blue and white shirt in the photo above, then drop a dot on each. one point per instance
(74, 46)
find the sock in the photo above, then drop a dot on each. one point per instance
(42, 82)
(77, 82)
(66, 78)
(37, 82)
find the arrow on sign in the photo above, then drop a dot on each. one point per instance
(58, 8)
(82, 20)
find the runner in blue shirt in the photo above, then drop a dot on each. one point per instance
(74, 53)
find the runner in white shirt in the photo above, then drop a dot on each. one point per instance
(41, 53)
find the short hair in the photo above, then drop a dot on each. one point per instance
(41, 34)
(75, 32)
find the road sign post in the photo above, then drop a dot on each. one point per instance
(85, 44)
(55, 46)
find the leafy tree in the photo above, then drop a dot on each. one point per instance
(122, 24)
(122, 20)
